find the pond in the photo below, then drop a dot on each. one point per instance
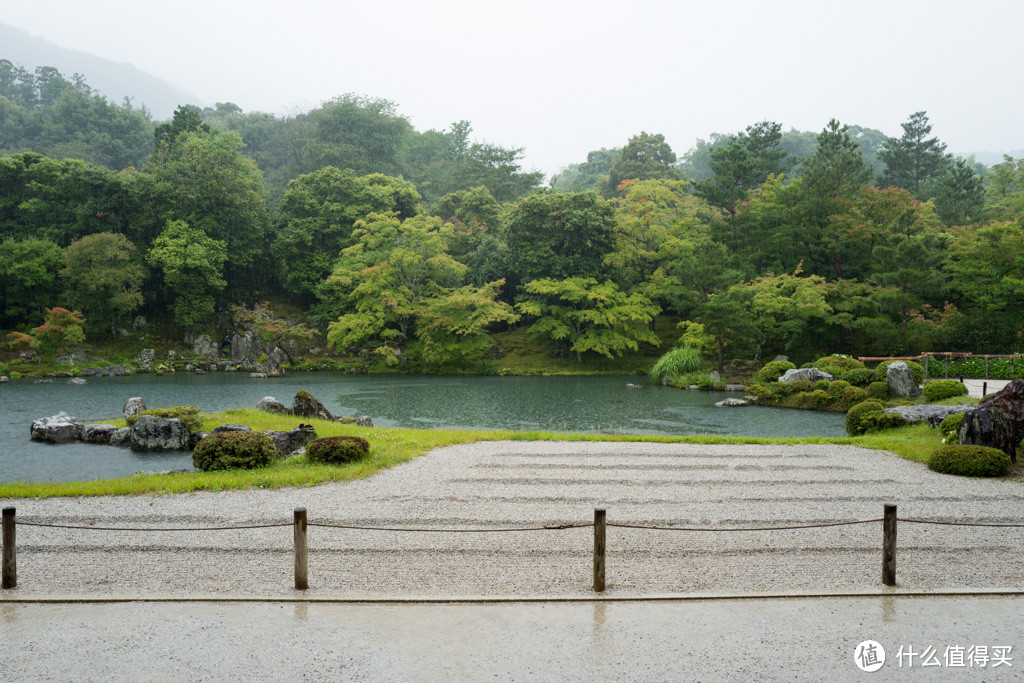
(593, 405)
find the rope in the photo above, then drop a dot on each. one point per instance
(109, 528)
(763, 528)
(932, 521)
(546, 527)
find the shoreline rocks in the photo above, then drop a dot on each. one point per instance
(59, 428)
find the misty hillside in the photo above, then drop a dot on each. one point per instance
(115, 80)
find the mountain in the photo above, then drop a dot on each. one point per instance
(115, 80)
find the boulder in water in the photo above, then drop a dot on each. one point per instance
(59, 428)
(159, 434)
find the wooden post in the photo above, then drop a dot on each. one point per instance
(984, 389)
(301, 575)
(925, 367)
(9, 572)
(986, 367)
(599, 528)
(945, 367)
(889, 545)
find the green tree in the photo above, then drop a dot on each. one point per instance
(589, 176)
(960, 194)
(362, 133)
(191, 263)
(837, 170)
(744, 163)
(588, 315)
(104, 277)
(455, 325)
(914, 161)
(646, 156)
(28, 279)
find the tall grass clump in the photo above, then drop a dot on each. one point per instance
(675, 363)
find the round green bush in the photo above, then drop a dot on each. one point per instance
(230, 450)
(801, 385)
(969, 461)
(878, 390)
(837, 373)
(337, 450)
(951, 423)
(943, 389)
(822, 384)
(759, 391)
(916, 370)
(859, 377)
(851, 396)
(837, 387)
(779, 390)
(869, 416)
(838, 361)
(772, 371)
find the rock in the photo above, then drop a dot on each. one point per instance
(133, 406)
(270, 404)
(146, 356)
(732, 403)
(783, 359)
(60, 428)
(933, 415)
(72, 358)
(735, 387)
(98, 433)
(159, 434)
(43, 381)
(998, 421)
(230, 368)
(77, 380)
(122, 437)
(275, 360)
(4, 379)
(115, 371)
(364, 421)
(899, 380)
(121, 332)
(714, 376)
(204, 347)
(304, 405)
(289, 442)
(241, 346)
(634, 386)
(140, 324)
(92, 372)
(258, 375)
(231, 428)
(804, 374)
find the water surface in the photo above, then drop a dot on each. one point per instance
(597, 404)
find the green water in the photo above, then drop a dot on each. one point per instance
(601, 405)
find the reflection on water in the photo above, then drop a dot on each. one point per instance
(602, 405)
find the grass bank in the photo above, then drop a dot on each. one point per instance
(393, 446)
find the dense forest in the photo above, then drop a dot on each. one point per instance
(413, 247)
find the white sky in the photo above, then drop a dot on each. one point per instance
(563, 78)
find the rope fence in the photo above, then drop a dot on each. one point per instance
(300, 525)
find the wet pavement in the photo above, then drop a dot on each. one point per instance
(720, 639)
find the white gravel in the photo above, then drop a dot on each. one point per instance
(508, 484)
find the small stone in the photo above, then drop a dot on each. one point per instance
(122, 437)
(364, 421)
(732, 403)
(231, 428)
(101, 433)
(77, 380)
(133, 406)
(804, 374)
(270, 404)
(258, 375)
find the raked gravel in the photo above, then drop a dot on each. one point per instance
(513, 484)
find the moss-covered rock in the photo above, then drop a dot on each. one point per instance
(189, 416)
(233, 450)
(969, 461)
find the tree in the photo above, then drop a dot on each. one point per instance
(557, 235)
(104, 277)
(914, 161)
(191, 263)
(320, 210)
(589, 176)
(784, 308)
(589, 315)
(61, 329)
(1005, 200)
(646, 156)
(837, 169)
(361, 133)
(959, 194)
(28, 279)
(743, 164)
(454, 325)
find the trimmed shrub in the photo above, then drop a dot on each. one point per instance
(772, 371)
(868, 416)
(807, 365)
(837, 387)
(943, 389)
(822, 384)
(837, 373)
(859, 377)
(878, 390)
(759, 391)
(231, 450)
(676, 362)
(951, 423)
(337, 450)
(916, 370)
(851, 396)
(779, 390)
(801, 385)
(969, 461)
(838, 361)
(189, 416)
(820, 400)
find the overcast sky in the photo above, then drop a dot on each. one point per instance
(563, 78)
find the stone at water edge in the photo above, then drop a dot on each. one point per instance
(269, 404)
(804, 374)
(98, 433)
(122, 437)
(77, 380)
(133, 406)
(204, 347)
(59, 428)
(899, 380)
(159, 434)
(364, 421)
(305, 405)
(231, 428)
(998, 421)
(4, 379)
(933, 415)
(732, 403)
